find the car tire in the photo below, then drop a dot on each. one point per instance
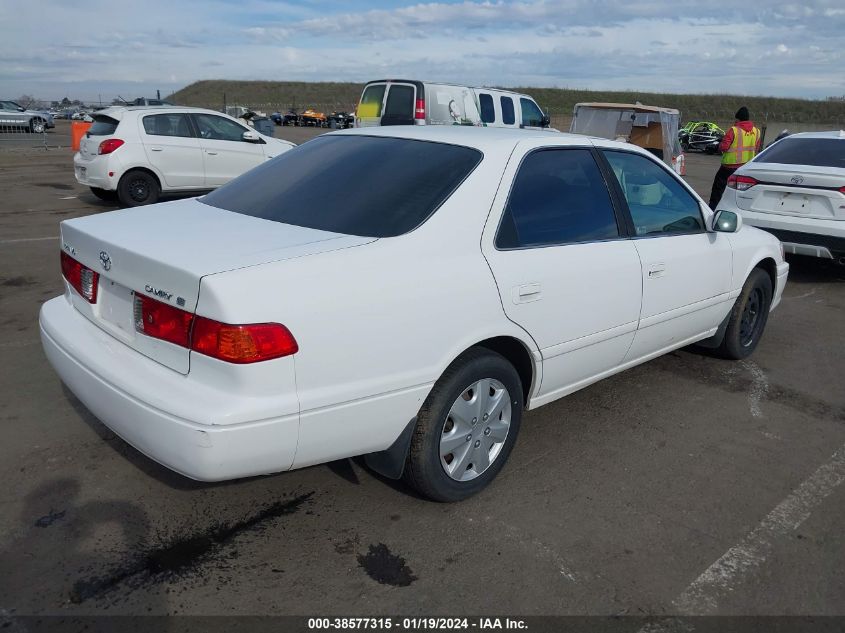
(444, 423)
(137, 188)
(748, 317)
(104, 194)
(37, 126)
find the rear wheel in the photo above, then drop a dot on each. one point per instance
(466, 428)
(104, 194)
(137, 188)
(748, 317)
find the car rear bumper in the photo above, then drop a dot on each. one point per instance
(129, 393)
(800, 235)
(94, 172)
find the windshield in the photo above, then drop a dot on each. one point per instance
(356, 185)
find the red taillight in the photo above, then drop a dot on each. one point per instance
(162, 321)
(841, 189)
(242, 343)
(231, 343)
(419, 109)
(81, 278)
(109, 145)
(741, 183)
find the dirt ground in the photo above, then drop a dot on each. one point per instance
(686, 485)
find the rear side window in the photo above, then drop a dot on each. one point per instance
(167, 125)
(558, 197)
(399, 109)
(508, 117)
(488, 111)
(819, 152)
(371, 101)
(380, 187)
(531, 114)
(103, 126)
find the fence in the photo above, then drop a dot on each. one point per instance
(23, 129)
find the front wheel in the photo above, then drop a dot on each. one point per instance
(38, 126)
(466, 427)
(748, 317)
(137, 188)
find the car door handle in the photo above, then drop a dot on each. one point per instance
(211, 153)
(156, 149)
(527, 293)
(656, 270)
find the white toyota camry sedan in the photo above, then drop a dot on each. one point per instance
(403, 293)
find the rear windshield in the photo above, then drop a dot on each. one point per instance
(356, 185)
(819, 152)
(103, 126)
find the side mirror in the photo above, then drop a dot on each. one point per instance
(727, 222)
(251, 137)
(546, 121)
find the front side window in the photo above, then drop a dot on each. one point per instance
(488, 111)
(156, 125)
(508, 116)
(217, 128)
(558, 197)
(659, 204)
(531, 114)
(380, 187)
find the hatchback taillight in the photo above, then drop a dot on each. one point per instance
(109, 145)
(741, 183)
(419, 109)
(80, 277)
(240, 344)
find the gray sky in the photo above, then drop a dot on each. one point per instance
(132, 48)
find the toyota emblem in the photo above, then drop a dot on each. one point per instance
(797, 180)
(105, 260)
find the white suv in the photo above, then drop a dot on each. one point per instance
(136, 154)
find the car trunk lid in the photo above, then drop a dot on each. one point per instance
(190, 240)
(794, 190)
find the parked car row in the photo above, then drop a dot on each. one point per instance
(310, 117)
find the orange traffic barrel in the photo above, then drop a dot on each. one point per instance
(77, 131)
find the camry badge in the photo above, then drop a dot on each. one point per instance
(158, 292)
(105, 260)
(797, 180)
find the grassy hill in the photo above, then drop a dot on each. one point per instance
(280, 95)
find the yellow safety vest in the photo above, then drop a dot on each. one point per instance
(743, 147)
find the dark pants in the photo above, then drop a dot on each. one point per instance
(719, 184)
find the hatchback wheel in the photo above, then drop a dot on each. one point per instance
(748, 317)
(137, 188)
(466, 428)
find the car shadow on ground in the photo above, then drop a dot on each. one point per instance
(811, 270)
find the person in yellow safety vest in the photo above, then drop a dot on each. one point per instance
(740, 144)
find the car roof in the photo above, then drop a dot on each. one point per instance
(480, 138)
(117, 112)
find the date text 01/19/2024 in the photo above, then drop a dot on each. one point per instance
(416, 624)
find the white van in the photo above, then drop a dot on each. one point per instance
(407, 102)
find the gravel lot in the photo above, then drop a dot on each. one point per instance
(686, 485)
